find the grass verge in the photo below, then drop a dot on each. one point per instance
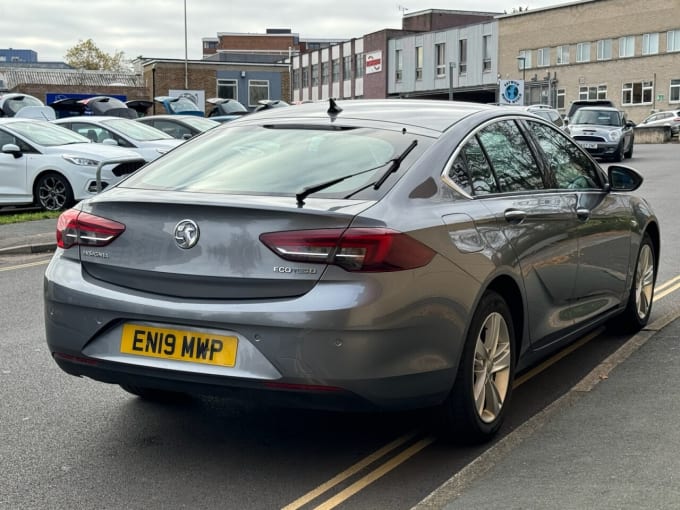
(28, 216)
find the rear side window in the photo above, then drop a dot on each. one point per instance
(510, 157)
(496, 160)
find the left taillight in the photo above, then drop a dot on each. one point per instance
(77, 228)
(353, 249)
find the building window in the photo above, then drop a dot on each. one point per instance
(315, 75)
(639, 92)
(674, 92)
(227, 89)
(650, 44)
(583, 52)
(486, 54)
(336, 70)
(592, 92)
(419, 62)
(627, 46)
(399, 62)
(347, 68)
(673, 40)
(543, 57)
(359, 65)
(296, 79)
(524, 60)
(258, 90)
(440, 59)
(324, 73)
(562, 55)
(305, 77)
(462, 57)
(561, 96)
(604, 49)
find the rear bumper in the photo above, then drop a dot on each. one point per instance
(342, 341)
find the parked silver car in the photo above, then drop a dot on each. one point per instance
(603, 131)
(669, 118)
(372, 254)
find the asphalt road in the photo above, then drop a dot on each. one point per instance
(70, 443)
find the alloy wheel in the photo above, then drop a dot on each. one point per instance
(53, 193)
(491, 374)
(644, 281)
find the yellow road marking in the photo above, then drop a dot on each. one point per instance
(668, 283)
(668, 290)
(22, 266)
(375, 474)
(351, 471)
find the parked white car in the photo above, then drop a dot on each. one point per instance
(670, 118)
(52, 167)
(146, 141)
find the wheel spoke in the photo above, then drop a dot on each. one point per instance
(491, 370)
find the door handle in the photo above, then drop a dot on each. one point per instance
(515, 216)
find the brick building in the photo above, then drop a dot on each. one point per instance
(615, 49)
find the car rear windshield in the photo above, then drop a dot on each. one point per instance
(263, 160)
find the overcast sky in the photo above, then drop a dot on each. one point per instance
(155, 28)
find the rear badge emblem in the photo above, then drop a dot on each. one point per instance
(186, 234)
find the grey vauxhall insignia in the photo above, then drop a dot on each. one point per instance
(361, 254)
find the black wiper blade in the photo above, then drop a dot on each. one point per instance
(396, 162)
(318, 187)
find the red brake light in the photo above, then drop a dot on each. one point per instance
(354, 249)
(80, 228)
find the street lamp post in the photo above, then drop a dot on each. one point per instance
(524, 76)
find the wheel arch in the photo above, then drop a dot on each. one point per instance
(510, 291)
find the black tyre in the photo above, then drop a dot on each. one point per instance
(629, 153)
(618, 155)
(639, 306)
(155, 395)
(53, 192)
(476, 407)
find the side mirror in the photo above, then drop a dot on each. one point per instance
(13, 149)
(109, 141)
(186, 136)
(623, 178)
(630, 123)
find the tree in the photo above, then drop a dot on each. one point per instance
(86, 55)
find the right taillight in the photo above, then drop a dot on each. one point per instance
(353, 249)
(76, 228)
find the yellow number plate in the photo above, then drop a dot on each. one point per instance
(179, 345)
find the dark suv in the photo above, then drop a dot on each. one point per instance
(575, 105)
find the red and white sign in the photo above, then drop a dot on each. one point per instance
(373, 62)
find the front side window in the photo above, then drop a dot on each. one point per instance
(440, 59)
(650, 44)
(227, 89)
(571, 168)
(604, 49)
(639, 92)
(583, 52)
(258, 90)
(627, 46)
(510, 157)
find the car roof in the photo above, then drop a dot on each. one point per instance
(429, 115)
(90, 118)
(599, 109)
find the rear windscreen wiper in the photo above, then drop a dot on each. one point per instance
(393, 168)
